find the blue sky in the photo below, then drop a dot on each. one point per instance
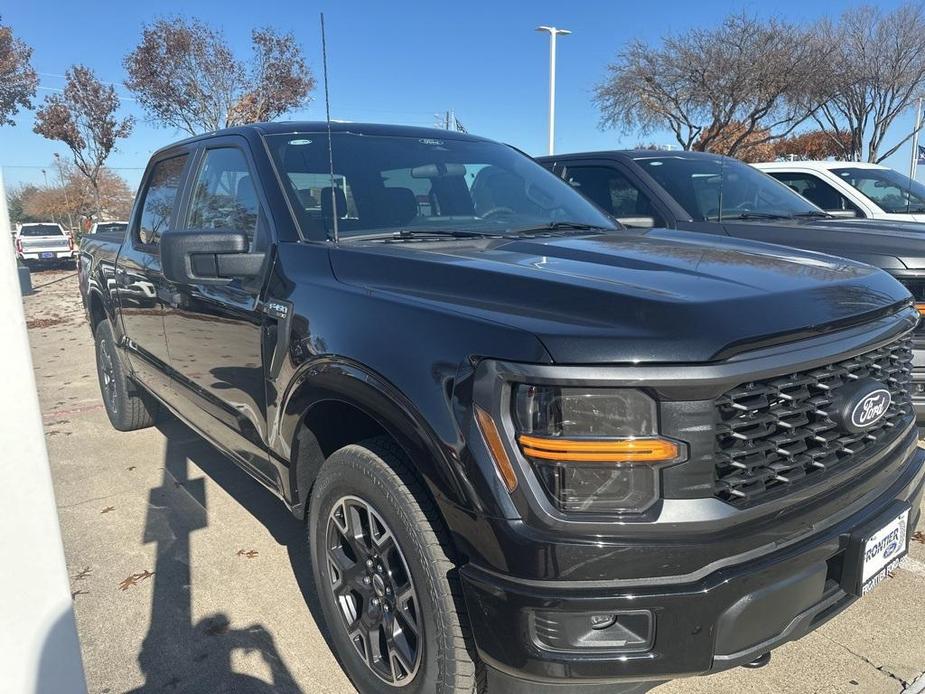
(396, 62)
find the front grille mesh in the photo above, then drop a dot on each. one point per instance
(775, 433)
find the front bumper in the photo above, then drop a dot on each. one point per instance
(724, 619)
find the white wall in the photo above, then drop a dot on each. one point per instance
(39, 651)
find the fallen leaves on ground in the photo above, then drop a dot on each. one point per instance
(133, 579)
(249, 553)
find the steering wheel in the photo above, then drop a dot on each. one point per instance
(499, 209)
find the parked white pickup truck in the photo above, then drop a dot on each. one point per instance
(851, 188)
(44, 243)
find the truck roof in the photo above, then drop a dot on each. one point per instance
(294, 127)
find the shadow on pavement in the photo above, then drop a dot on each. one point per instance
(178, 655)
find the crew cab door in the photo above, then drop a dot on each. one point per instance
(214, 332)
(138, 284)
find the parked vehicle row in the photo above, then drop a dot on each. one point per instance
(534, 450)
(708, 193)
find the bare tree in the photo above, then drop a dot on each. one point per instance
(18, 80)
(84, 119)
(877, 66)
(185, 76)
(746, 81)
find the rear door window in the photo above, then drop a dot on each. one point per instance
(159, 199)
(815, 190)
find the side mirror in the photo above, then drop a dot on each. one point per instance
(208, 257)
(637, 222)
(843, 214)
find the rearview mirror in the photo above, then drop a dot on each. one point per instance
(208, 257)
(637, 222)
(842, 214)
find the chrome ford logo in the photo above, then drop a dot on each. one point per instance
(870, 408)
(859, 405)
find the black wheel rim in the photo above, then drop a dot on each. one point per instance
(373, 591)
(107, 377)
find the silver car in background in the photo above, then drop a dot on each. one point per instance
(44, 243)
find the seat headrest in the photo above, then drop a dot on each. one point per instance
(339, 199)
(399, 207)
(245, 193)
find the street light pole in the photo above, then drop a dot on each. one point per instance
(553, 33)
(914, 160)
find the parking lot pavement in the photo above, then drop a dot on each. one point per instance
(188, 576)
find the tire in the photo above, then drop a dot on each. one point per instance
(374, 478)
(127, 405)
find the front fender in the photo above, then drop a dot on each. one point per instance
(341, 380)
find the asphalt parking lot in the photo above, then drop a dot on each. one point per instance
(187, 576)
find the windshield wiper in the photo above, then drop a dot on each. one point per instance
(564, 227)
(812, 214)
(454, 233)
(755, 215)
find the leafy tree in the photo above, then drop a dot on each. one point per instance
(18, 80)
(813, 145)
(16, 200)
(84, 119)
(73, 198)
(185, 76)
(877, 69)
(717, 89)
(755, 146)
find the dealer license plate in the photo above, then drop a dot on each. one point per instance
(47, 254)
(883, 551)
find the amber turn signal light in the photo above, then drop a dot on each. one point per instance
(499, 455)
(920, 307)
(643, 450)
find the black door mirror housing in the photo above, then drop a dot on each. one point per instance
(208, 257)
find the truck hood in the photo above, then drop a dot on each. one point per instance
(885, 243)
(656, 296)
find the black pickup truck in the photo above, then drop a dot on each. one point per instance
(532, 449)
(713, 194)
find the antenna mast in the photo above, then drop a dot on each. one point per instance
(327, 110)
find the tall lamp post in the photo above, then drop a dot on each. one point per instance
(553, 33)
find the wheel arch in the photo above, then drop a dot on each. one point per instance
(334, 403)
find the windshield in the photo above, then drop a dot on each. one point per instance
(103, 227)
(41, 230)
(710, 187)
(386, 184)
(889, 189)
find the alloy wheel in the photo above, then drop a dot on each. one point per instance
(374, 592)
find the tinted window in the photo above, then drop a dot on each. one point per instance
(104, 227)
(41, 230)
(224, 194)
(160, 197)
(611, 190)
(815, 190)
(384, 184)
(889, 189)
(712, 187)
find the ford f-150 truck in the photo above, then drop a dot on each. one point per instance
(44, 243)
(532, 449)
(713, 194)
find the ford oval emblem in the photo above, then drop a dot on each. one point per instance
(859, 405)
(871, 408)
(891, 549)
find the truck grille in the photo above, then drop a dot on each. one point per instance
(776, 433)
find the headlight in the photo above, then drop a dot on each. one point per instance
(595, 450)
